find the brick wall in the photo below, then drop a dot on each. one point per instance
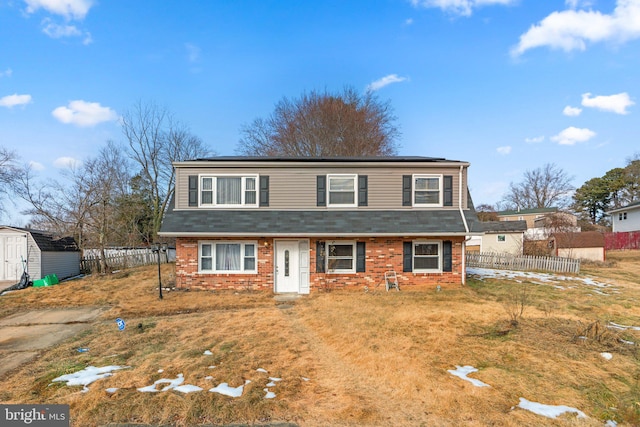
(382, 254)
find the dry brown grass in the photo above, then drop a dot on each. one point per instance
(372, 358)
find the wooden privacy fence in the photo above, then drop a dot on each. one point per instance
(524, 262)
(93, 264)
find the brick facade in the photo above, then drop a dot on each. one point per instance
(382, 254)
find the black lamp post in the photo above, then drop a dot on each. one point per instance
(159, 248)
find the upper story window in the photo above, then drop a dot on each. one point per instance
(622, 215)
(342, 190)
(427, 190)
(228, 190)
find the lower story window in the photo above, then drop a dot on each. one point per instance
(426, 256)
(228, 257)
(341, 257)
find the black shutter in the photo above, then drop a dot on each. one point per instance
(361, 255)
(320, 254)
(193, 190)
(407, 256)
(406, 191)
(447, 260)
(448, 190)
(264, 190)
(362, 190)
(321, 190)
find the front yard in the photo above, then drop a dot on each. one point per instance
(351, 358)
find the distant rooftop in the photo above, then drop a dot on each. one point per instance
(527, 211)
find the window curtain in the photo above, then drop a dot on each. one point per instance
(228, 257)
(229, 191)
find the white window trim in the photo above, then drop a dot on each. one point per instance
(440, 190)
(213, 244)
(355, 190)
(413, 257)
(214, 187)
(353, 256)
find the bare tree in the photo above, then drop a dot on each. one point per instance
(324, 124)
(486, 212)
(545, 187)
(156, 140)
(9, 174)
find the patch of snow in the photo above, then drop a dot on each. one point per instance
(271, 384)
(557, 281)
(627, 342)
(463, 371)
(549, 411)
(187, 388)
(209, 377)
(207, 353)
(275, 379)
(261, 370)
(160, 371)
(212, 367)
(270, 394)
(111, 390)
(88, 375)
(622, 327)
(610, 423)
(224, 388)
(304, 379)
(173, 383)
(607, 356)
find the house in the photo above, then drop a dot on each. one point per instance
(40, 253)
(295, 224)
(528, 215)
(502, 237)
(587, 245)
(626, 218)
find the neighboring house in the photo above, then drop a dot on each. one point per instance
(626, 218)
(38, 252)
(585, 245)
(292, 224)
(554, 222)
(503, 236)
(528, 215)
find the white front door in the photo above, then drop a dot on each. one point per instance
(287, 266)
(12, 252)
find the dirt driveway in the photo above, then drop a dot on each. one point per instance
(23, 335)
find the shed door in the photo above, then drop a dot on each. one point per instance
(13, 249)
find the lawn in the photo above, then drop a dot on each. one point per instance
(350, 357)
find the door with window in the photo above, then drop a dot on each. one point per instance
(287, 266)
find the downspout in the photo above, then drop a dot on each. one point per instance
(466, 228)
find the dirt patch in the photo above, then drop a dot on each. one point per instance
(24, 334)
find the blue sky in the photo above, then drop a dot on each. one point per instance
(507, 85)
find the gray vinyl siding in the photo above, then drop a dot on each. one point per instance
(62, 264)
(295, 187)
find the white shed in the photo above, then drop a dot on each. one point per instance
(38, 252)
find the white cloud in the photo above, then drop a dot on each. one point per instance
(36, 166)
(11, 101)
(66, 162)
(571, 29)
(459, 7)
(56, 31)
(534, 140)
(573, 135)
(408, 21)
(571, 111)
(82, 113)
(385, 81)
(70, 9)
(6, 73)
(504, 150)
(614, 103)
(193, 52)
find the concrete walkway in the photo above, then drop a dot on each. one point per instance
(23, 335)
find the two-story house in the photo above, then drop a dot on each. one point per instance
(294, 224)
(626, 218)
